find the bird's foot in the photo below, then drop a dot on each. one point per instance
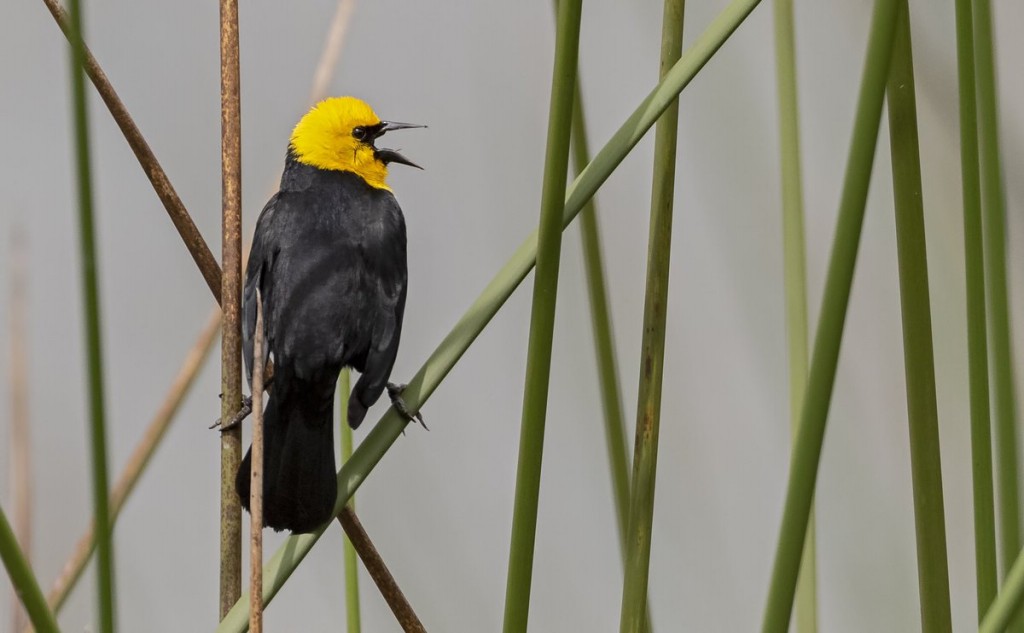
(236, 421)
(395, 393)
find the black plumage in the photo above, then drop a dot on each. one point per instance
(329, 260)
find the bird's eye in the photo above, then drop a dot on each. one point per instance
(359, 133)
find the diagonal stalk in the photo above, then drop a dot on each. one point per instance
(922, 411)
(231, 297)
(604, 340)
(803, 469)
(603, 333)
(977, 357)
(633, 614)
(601, 322)
(542, 319)
(379, 572)
(331, 51)
(352, 612)
(794, 257)
(1008, 602)
(24, 581)
(193, 239)
(999, 336)
(139, 459)
(93, 326)
(390, 427)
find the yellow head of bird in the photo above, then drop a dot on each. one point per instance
(339, 134)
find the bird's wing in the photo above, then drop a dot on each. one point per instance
(387, 329)
(260, 259)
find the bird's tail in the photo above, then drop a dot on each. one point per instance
(299, 479)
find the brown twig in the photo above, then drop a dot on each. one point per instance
(164, 190)
(231, 296)
(21, 462)
(140, 457)
(332, 50)
(256, 481)
(379, 572)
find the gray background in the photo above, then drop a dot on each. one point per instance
(439, 505)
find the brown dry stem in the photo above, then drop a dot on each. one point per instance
(139, 459)
(231, 297)
(190, 234)
(332, 50)
(256, 481)
(379, 572)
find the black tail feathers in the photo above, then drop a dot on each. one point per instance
(299, 478)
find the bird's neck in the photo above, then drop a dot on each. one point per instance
(298, 175)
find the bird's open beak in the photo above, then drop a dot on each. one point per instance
(387, 156)
(391, 126)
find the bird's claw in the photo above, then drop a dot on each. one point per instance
(395, 393)
(236, 421)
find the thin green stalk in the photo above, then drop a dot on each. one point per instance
(652, 349)
(24, 581)
(71, 571)
(999, 336)
(794, 257)
(542, 319)
(922, 412)
(601, 325)
(1008, 602)
(93, 340)
(604, 340)
(803, 470)
(351, 562)
(390, 427)
(977, 356)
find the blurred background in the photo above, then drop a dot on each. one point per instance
(439, 505)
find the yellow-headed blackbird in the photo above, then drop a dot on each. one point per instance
(329, 262)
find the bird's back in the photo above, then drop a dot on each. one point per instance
(332, 257)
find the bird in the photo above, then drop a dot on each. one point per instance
(328, 264)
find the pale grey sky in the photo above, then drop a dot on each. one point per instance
(439, 505)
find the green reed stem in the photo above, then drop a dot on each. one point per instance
(977, 356)
(794, 257)
(601, 325)
(352, 612)
(542, 319)
(604, 340)
(433, 372)
(919, 358)
(93, 326)
(814, 412)
(652, 350)
(24, 581)
(999, 336)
